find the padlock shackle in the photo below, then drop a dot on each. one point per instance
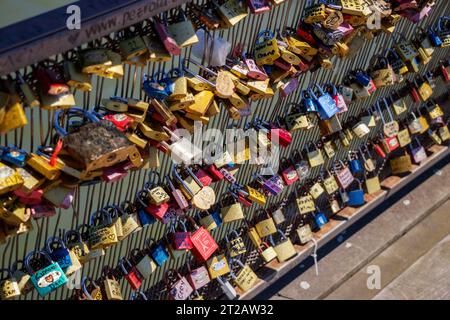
(32, 255)
(75, 111)
(52, 240)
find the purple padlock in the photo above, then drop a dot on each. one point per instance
(116, 173)
(67, 202)
(42, 211)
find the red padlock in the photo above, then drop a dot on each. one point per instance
(283, 136)
(120, 120)
(158, 211)
(204, 177)
(32, 198)
(131, 274)
(181, 240)
(51, 82)
(390, 144)
(306, 34)
(214, 172)
(414, 93)
(203, 244)
(288, 172)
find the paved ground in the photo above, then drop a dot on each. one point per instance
(407, 241)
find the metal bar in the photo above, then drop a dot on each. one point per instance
(45, 35)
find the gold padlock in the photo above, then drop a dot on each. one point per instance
(132, 47)
(232, 12)
(137, 110)
(31, 179)
(61, 101)
(76, 78)
(10, 179)
(157, 51)
(187, 101)
(14, 117)
(94, 60)
(115, 71)
(202, 103)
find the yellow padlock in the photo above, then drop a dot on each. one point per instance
(14, 118)
(202, 103)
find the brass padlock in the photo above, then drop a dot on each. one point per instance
(132, 47)
(76, 78)
(10, 179)
(13, 118)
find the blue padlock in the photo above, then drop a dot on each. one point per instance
(327, 106)
(320, 219)
(361, 77)
(13, 155)
(142, 198)
(58, 251)
(158, 252)
(267, 68)
(354, 163)
(49, 277)
(307, 102)
(434, 37)
(154, 89)
(356, 197)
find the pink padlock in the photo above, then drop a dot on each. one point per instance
(204, 177)
(346, 28)
(116, 173)
(289, 87)
(158, 211)
(32, 198)
(42, 211)
(169, 43)
(282, 64)
(258, 6)
(254, 71)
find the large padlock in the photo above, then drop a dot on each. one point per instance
(48, 277)
(285, 249)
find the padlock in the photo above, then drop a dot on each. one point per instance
(182, 30)
(401, 164)
(235, 244)
(304, 233)
(418, 152)
(266, 49)
(231, 12)
(9, 287)
(245, 278)
(288, 172)
(218, 266)
(103, 232)
(305, 203)
(168, 41)
(48, 277)
(316, 190)
(76, 78)
(111, 285)
(130, 273)
(14, 117)
(315, 157)
(203, 243)
(197, 277)
(285, 250)
(77, 246)
(320, 218)
(267, 252)
(327, 105)
(142, 262)
(329, 183)
(231, 210)
(51, 81)
(227, 288)
(356, 197)
(344, 176)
